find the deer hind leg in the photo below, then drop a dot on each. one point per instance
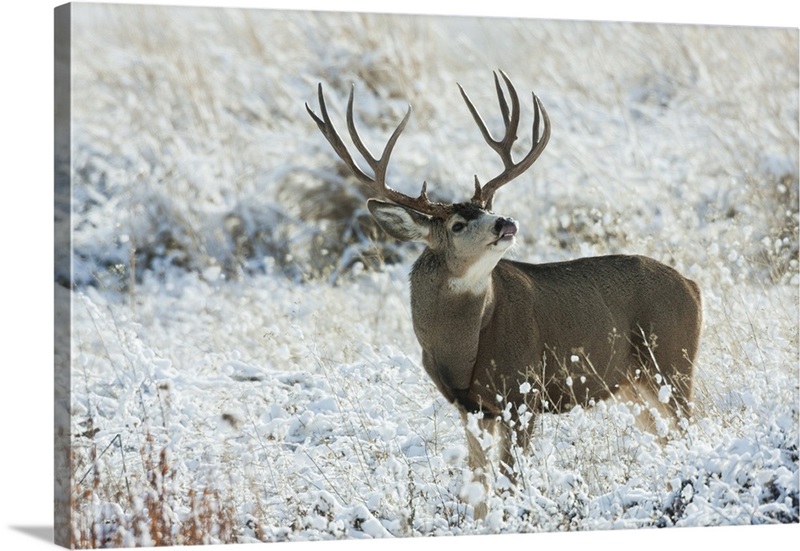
(655, 412)
(478, 462)
(664, 379)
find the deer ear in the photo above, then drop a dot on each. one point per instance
(400, 222)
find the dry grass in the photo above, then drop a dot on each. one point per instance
(196, 157)
(145, 506)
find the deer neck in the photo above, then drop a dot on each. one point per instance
(448, 317)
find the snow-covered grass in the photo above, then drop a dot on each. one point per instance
(244, 367)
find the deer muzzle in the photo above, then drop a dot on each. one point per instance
(506, 229)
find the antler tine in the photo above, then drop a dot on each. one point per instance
(378, 166)
(501, 97)
(512, 122)
(376, 183)
(483, 195)
(329, 131)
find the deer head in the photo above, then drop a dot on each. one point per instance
(470, 238)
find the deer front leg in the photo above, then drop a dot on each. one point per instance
(478, 462)
(508, 445)
(514, 440)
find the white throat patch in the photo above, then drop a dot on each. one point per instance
(477, 277)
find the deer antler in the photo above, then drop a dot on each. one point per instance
(376, 183)
(483, 195)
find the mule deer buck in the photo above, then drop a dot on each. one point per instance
(540, 337)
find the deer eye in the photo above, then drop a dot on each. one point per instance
(457, 227)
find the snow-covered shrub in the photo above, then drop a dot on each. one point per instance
(210, 217)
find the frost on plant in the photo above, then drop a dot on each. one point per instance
(244, 367)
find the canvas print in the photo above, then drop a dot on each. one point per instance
(328, 275)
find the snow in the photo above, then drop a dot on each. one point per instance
(664, 394)
(472, 493)
(244, 352)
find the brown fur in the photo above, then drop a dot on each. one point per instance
(570, 332)
(576, 332)
(605, 324)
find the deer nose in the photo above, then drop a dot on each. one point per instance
(505, 226)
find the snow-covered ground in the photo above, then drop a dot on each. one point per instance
(244, 366)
